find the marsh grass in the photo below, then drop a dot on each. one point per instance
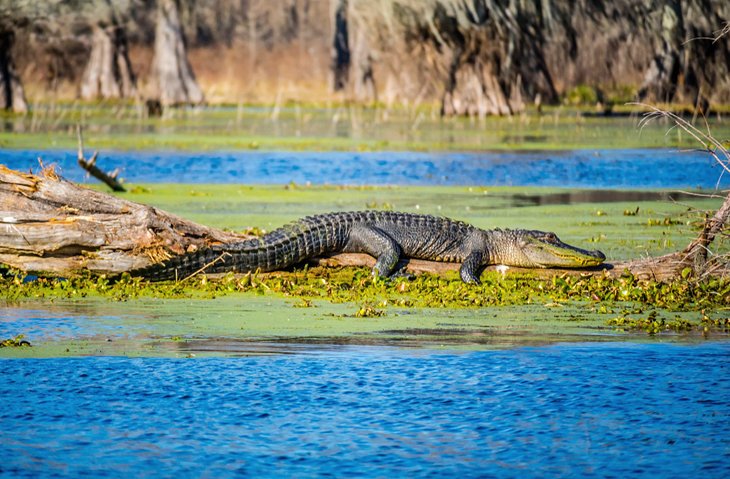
(334, 127)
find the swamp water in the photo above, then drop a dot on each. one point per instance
(587, 169)
(276, 389)
(569, 410)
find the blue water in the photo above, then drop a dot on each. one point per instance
(642, 168)
(573, 410)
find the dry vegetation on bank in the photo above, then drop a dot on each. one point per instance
(471, 57)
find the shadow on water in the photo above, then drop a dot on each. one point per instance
(595, 196)
(495, 338)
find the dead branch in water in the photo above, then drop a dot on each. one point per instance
(697, 255)
(110, 179)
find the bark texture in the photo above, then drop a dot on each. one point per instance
(109, 72)
(174, 81)
(485, 57)
(49, 225)
(353, 58)
(12, 96)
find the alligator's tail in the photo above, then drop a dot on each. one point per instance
(307, 238)
(279, 249)
(207, 260)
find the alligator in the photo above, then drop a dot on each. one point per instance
(385, 235)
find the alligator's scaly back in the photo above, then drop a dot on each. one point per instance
(388, 236)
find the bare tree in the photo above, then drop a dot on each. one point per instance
(173, 80)
(108, 73)
(341, 47)
(12, 96)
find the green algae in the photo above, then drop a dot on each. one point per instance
(339, 128)
(346, 305)
(264, 314)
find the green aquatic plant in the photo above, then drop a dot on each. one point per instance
(16, 342)
(369, 311)
(652, 324)
(353, 284)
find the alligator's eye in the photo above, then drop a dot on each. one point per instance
(551, 237)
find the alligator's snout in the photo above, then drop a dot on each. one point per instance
(593, 258)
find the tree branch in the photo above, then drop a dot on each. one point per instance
(110, 179)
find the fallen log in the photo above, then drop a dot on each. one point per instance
(51, 226)
(661, 268)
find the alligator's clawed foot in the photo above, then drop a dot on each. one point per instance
(402, 273)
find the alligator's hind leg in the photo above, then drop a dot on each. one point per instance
(373, 241)
(471, 267)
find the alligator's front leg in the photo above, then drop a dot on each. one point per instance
(376, 243)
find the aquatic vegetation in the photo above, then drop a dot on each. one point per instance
(357, 129)
(369, 311)
(346, 305)
(655, 323)
(356, 285)
(651, 324)
(16, 342)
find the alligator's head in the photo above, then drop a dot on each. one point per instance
(540, 249)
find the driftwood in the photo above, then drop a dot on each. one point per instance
(662, 268)
(110, 179)
(51, 226)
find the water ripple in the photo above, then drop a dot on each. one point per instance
(578, 410)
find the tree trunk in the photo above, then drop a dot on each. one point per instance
(50, 225)
(364, 88)
(474, 91)
(12, 96)
(109, 71)
(174, 80)
(341, 48)
(660, 81)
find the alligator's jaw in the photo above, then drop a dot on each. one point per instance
(544, 250)
(573, 258)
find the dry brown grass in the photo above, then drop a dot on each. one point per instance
(240, 73)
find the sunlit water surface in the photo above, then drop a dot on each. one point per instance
(571, 410)
(638, 168)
